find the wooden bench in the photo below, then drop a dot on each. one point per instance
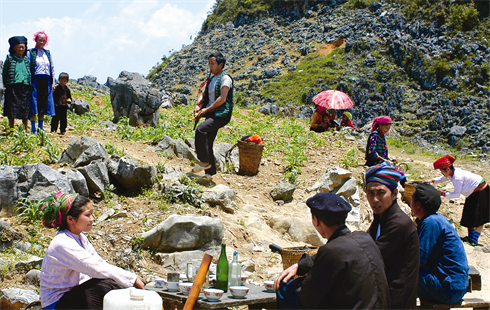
(474, 284)
(257, 298)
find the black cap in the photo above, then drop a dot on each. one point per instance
(428, 196)
(18, 40)
(328, 204)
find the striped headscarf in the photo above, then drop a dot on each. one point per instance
(55, 209)
(386, 174)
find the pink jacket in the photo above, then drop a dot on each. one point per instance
(68, 264)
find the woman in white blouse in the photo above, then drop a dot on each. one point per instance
(476, 211)
(42, 74)
(73, 275)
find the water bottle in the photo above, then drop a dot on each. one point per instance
(222, 270)
(235, 271)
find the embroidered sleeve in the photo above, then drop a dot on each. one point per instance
(372, 146)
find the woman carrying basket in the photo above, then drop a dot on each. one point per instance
(476, 211)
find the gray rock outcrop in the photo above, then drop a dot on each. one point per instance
(82, 150)
(184, 233)
(31, 181)
(133, 97)
(299, 230)
(77, 180)
(96, 175)
(130, 174)
(80, 106)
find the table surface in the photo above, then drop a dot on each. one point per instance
(256, 295)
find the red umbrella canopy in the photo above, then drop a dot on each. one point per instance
(333, 99)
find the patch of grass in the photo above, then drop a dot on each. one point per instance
(28, 211)
(350, 158)
(114, 150)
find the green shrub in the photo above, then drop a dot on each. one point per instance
(359, 4)
(464, 18)
(28, 211)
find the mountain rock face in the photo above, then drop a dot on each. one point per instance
(428, 77)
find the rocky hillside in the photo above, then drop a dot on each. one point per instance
(426, 65)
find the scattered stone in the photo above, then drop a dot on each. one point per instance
(283, 191)
(31, 263)
(33, 277)
(184, 233)
(281, 223)
(130, 174)
(80, 106)
(179, 260)
(16, 298)
(106, 215)
(182, 150)
(333, 178)
(220, 151)
(121, 214)
(221, 195)
(248, 266)
(253, 221)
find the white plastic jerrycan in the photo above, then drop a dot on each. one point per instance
(132, 299)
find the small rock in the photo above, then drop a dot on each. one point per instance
(248, 265)
(30, 263)
(283, 191)
(33, 277)
(16, 298)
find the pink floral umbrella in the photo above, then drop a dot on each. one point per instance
(333, 99)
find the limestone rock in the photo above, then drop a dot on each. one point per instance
(283, 191)
(132, 96)
(303, 231)
(33, 277)
(76, 147)
(16, 298)
(96, 175)
(30, 263)
(333, 178)
(166, 146)
(80, 106)
(179, 260)
(281, 223)
(130, 174)
(77, 180)
(221, 195)
(182, 150)
(95, 152)
(184, 233)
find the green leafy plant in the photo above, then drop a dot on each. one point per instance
(464, 17)
(114, 150)
(28, 211)
(350, 158)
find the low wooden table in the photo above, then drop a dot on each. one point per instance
(257, 298)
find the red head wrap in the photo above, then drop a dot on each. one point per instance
(444, 162)
(380, 121)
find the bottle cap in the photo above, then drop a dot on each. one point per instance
(235, 253)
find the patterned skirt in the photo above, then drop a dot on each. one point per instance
(476, 210)
(17, 104)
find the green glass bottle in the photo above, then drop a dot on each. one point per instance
(222, 270)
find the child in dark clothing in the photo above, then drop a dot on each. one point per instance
(62, 96)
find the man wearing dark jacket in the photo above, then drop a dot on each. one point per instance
(346, 273)
(395, 234)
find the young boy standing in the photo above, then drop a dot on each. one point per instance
(62, 96)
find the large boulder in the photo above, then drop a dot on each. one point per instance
(133, 97)
(80, 106)
(16, 298)
(130, 174)
(333, 178)
(82, 150)
(184, 233)
(77, 180)
(96, 175)
(299, 230)
(220, 150)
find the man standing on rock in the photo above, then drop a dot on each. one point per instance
(395, 234)
(217, 107)
(346, 273)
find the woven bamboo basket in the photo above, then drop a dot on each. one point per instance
(250, 154)
(291, 256)
(409, 189)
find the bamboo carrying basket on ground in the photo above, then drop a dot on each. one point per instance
(291, 256)
(409, 189)
(250, 154)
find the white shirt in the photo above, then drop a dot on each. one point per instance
(70, 261)
(225, 81)
(42, 63)
(464, 182)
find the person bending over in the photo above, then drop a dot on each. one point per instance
(73, 275)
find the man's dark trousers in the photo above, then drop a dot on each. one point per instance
(205, 134)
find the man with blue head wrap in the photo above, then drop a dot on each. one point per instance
(394, 233)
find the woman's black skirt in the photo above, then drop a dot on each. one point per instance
(17, 103)
(476, 210)
(88, 295)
